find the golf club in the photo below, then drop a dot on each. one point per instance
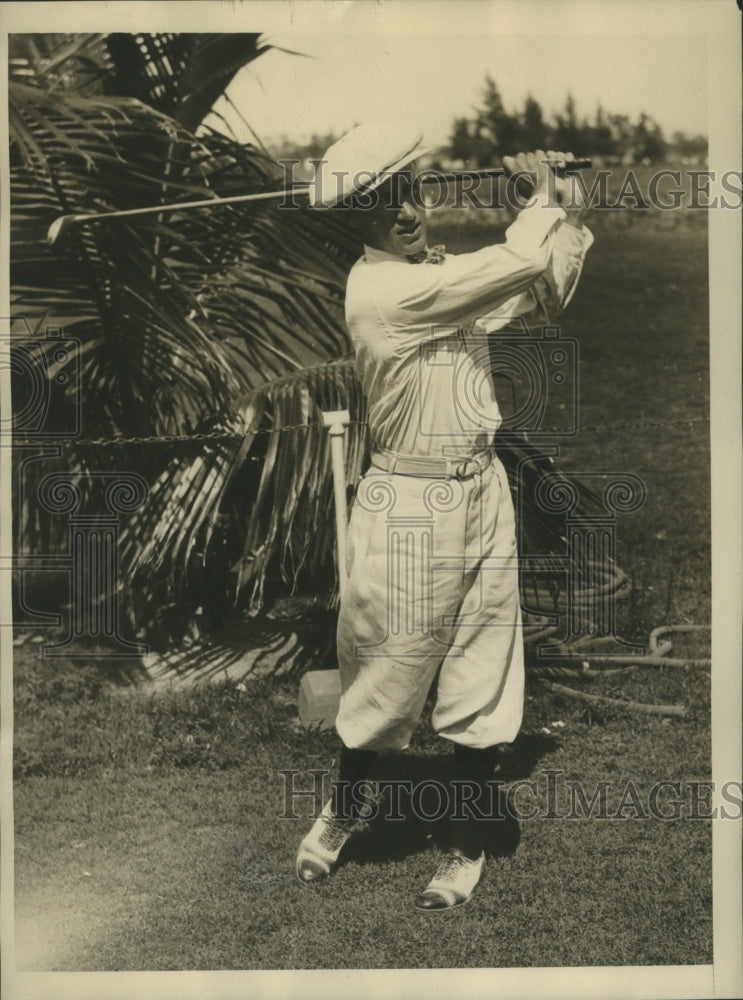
(64, 223)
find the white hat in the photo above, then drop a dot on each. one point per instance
(362, 160)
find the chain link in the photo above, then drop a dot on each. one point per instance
(164, 438)
(234, 436)
(642, 423)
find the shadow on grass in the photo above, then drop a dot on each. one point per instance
(267, 645)
(396, 839)
(85, 673)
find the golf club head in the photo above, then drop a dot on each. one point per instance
(59, 227)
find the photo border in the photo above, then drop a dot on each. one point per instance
(720, 22)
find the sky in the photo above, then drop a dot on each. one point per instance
(349, 73)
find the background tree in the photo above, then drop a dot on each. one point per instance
(569, 133)
(601, 140)
(494, 131)
(649, 142)
(535, 133)
(464, 141)
(314, 148)
(495, 128)
(692, 148)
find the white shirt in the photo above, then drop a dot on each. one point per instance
(420, 331)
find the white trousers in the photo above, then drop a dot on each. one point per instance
(433, 584)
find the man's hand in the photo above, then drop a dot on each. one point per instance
(541, 174)
(531, 175)
(569, 194)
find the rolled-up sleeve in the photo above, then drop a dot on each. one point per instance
(472, 284)
(552, 289)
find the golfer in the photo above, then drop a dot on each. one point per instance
(433, 588)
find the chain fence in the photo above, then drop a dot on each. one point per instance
(235, 436)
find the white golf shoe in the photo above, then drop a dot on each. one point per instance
(319, 851)
(454, 882)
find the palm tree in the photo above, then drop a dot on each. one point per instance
(205, 343)
(195, 329)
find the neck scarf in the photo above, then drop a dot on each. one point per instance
(431, 255)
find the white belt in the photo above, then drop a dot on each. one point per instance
(431, 467)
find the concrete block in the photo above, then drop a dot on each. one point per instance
(319, 696)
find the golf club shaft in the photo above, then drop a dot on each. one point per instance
(65, 222)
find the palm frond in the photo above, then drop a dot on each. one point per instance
(181, 75)
(211, 302)
(281, 510)
(166, 323)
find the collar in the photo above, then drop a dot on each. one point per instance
(430, 255)
(373, 255)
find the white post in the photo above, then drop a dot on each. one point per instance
(336, 421)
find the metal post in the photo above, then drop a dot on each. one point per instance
(336, 421)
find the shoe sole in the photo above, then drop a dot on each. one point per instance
(443, 909)
(454, 906)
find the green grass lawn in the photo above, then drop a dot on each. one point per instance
(156, 841)
(148, 829)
